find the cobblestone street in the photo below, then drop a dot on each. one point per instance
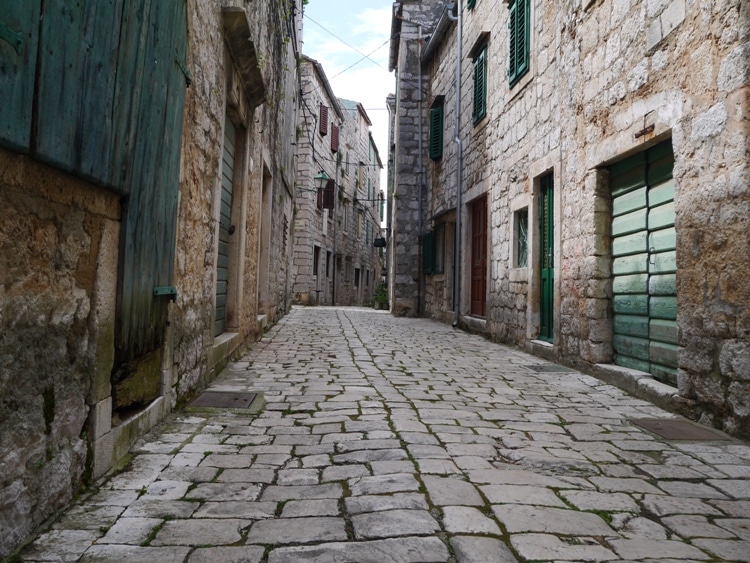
(391, 440)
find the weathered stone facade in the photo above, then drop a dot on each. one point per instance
(607, 81)
(333, 137)
(60, 249)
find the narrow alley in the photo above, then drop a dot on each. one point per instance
(383, 439)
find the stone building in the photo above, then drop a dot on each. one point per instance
(597, 192)
(337, 221)
(146, 204)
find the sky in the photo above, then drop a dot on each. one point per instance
(338, 34)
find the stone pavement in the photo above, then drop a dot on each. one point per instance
(391, 440)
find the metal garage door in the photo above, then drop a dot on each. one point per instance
(644, 263)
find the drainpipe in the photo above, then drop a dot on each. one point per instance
(459, 168)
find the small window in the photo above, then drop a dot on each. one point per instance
(518, 32)
(480, 85)
(433, 251)
(521, 238)
(436, 133)
(329, 194)
(356, 277)
(470, 4)
(328, 264)
(316, 260)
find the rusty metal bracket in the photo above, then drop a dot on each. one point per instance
(169, 290)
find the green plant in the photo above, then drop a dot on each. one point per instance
(380, 297)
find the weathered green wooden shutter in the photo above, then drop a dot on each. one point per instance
(436, 133)
(152, 50)
(480, 85)
(19, 41)
(644, 262)
(518, 34)
(547, 251)
(225, 224)
(428, 253)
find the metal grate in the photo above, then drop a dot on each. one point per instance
(549, 368)
(679, 429)
(213, 399)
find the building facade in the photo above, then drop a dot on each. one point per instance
(583, 197)
(147, 187)
(337, 221)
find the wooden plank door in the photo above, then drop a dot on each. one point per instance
(547, 256)
(479, 257)
(225, 225)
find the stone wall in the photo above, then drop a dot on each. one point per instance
(59, 241)
(607, 80)
(59, 253)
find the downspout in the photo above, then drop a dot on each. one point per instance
(420, 183)
(459, 168)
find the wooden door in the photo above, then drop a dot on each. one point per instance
(644, 263)
(225, 225)
(479, 257)
(547, 257)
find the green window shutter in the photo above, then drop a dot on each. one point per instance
(518, 33)
(436, 133)
(428, 253)
(470, 4)
(480, 85)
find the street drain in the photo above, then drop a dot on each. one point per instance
(217, 400)
(549, 368)
(679, 429)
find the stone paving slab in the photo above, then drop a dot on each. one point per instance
(394, 440)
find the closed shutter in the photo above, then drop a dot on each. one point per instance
(644, 263)
(329, 195)
(480, 85)
(323, 121)
(334, 138)
(428, 253)
(470, 4)
(518, 33)
(225, 224)
(436, 133)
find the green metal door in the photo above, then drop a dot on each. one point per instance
(644, 263)
(547, 254)
(225, 226)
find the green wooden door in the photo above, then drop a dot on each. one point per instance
(547, 255)
(644, 263)
(225, 226)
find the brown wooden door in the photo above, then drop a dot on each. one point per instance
(479, 257)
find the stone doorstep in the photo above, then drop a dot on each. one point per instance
(641, 385)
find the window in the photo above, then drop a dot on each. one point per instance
(328, 264)
(356, 277)
(480, 85)
(436, 133)
(470, 4)
(433, 245)
(521, 238)
(316, 260)
(518, 32)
